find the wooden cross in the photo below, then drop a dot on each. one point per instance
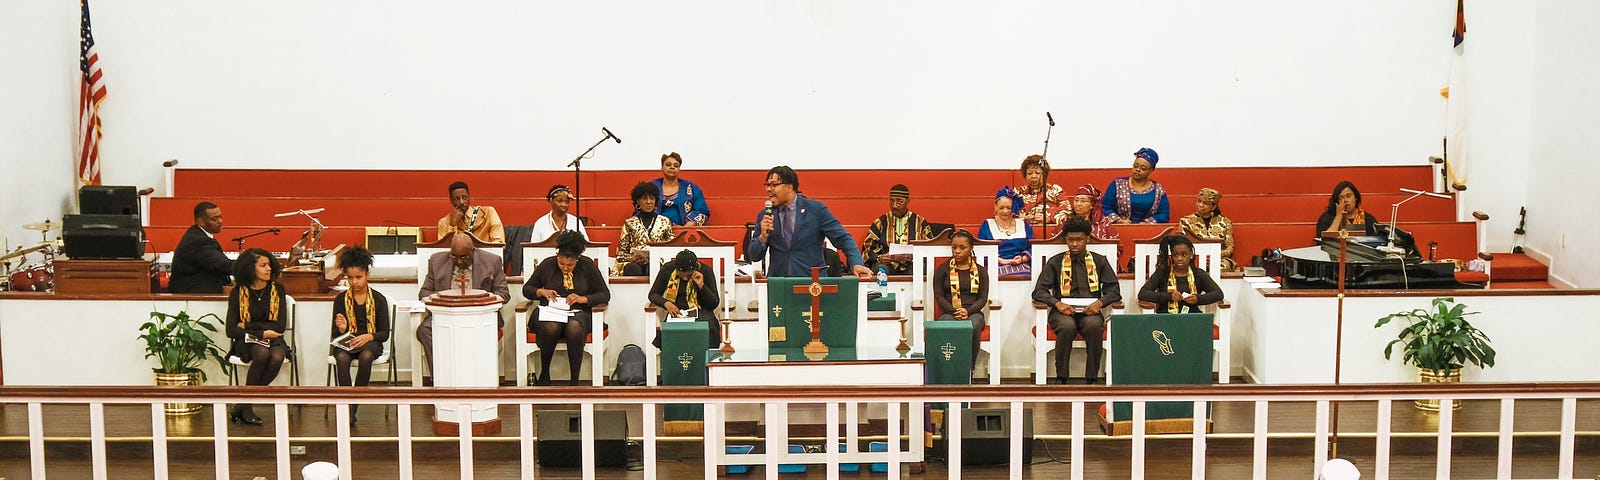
(816, 289)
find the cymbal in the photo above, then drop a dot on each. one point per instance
(44, 226)
(23, 251)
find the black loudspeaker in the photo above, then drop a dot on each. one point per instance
(108, 200)
(986, 435)
(102, 236)
(561, 444)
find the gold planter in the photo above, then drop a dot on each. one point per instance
(1426, 375)
(178, 380)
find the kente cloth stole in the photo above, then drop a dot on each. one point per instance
(1089, 269)
(672, 293)
(244, 303)
(566, 280)
(955, 283)
(1172, 286)
(900, 229)
(1359, 217)
(350, 313)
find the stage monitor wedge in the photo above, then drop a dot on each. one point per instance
(561, 444)
(102, 237)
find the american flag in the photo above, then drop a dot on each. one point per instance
(92, 92)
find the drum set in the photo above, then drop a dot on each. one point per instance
(32, 277)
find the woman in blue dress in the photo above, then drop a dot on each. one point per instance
(682, 202)
(1015, 236)
(1136, 198)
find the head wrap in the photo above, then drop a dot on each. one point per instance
(1016, 198)
(685, 261)
(1149, 156)
(556, 190)
(1088, 190)
(1209, 196)
(899, 191)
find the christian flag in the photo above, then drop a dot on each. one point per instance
(91, 93)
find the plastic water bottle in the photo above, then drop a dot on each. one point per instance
(883, 281)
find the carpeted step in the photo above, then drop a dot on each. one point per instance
(1518, 267)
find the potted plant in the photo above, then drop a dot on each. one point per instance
(1439, 342)
(181, 345)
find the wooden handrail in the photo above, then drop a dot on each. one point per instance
(618, 394)
(1330, 293)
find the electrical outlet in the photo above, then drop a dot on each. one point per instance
(297, 449)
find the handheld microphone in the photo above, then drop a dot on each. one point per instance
(613, 136)
(769, 207)
(1050, 118)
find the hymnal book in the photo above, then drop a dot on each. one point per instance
(342, 342)
(248, 338)
(1078, 303)
(899, 249)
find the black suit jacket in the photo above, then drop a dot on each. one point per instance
(198, 264)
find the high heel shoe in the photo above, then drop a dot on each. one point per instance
(353, 415)
(233, 415)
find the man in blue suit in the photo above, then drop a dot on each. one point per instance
(793, 229)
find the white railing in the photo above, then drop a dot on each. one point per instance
(777, 397)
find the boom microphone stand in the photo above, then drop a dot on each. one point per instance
(577, 163)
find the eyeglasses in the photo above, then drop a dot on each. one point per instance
(774, 185)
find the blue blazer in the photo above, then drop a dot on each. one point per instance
(795, 257)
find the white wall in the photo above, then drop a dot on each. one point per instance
(825, 84)
(1562, 171)
(38, 93)
(1498, 98)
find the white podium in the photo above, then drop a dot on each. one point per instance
(465, 334)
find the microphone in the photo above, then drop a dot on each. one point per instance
(274, 231)
(613, 136)
(769, 207)
(297, 212)
(1420, 192)
(1050, 118)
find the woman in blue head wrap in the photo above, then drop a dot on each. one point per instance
(1014, 236)
(1136, 198)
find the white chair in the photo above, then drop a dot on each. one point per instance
(1044, 339)
(234, 362)
(425, 251)
(1208, 257)
(319, 471)
(720, 253)
(527, 343)
(925, 256)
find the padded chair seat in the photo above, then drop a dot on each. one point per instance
(1472, 277)
(1216, 334)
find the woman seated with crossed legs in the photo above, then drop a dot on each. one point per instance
(576, 279)
(257, 318)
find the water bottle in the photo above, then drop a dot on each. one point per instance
(883, 281)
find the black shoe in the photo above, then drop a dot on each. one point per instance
(233, 414)
(353, 414)
(247, 415)
(542, 381)
(1061, 381)
(1090, 381)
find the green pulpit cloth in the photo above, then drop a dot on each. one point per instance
(683, 362)
(1160, 349)
(882, 304)
(787, 310)
(948, 347)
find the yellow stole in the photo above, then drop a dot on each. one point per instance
(244, 303)
(672, 292)
(955, 282)
(350, 312)
(1172, 286)
(1089, 268)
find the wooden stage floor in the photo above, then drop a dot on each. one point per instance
(1228, 454)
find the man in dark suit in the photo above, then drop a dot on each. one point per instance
(198, 264)
(464, 258)
(793, 230)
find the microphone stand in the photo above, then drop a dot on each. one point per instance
(240, 240)
(577, 165)
(1044, 157)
